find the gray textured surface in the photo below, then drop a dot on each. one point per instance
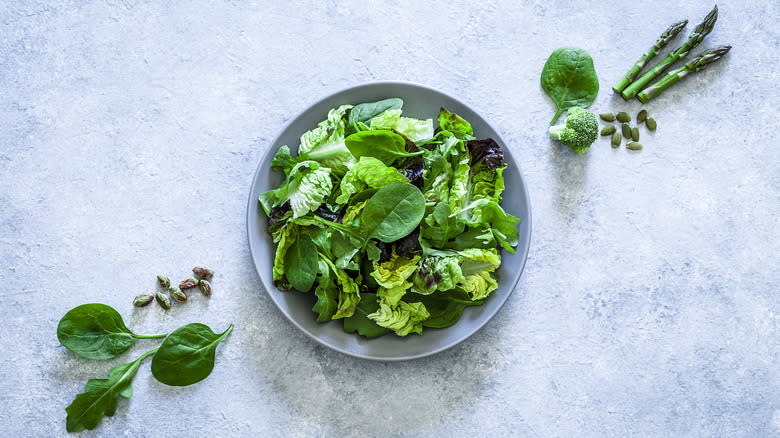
(129, 133)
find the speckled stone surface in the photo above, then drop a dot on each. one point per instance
(130, 132)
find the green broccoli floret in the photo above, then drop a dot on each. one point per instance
(579, 132)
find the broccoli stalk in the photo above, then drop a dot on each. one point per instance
(578, 132)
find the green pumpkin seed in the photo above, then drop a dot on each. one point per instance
(634, 145)
(607, 117)
(635, 133)
(641, 116)
(651, 125)
(608, 130)
(616, 139)
(623, 117)
(626, 130)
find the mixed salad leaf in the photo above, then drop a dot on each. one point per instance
(392, 224)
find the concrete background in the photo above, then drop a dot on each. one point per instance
(130, 132)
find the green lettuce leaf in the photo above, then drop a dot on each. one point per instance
(480, 285)
(403, 319)
(283, 161)
(369, 172)
(327, 294)
(349, 293)
(478, 259)
(414, 129)
(395, 271)
(288, 235)
(503, 225)
(439, 226)
(456, 124)
(325, 143)
(306, 187)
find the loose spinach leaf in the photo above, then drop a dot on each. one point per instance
(364, 112)
(186, 356)
(569, 78)
(100, 396)
(445, 307)
(386, 146)
(393, 212)
(300, 263)
(359, 321)
(96, 331)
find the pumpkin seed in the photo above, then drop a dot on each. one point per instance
(626, 130)
(634, 145)
(616, 139)
(623, 117)
(641, 116)
(635, 133)
(608, 130)
(607, 117)
(651, 125)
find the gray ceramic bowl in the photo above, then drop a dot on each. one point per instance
(420, 102)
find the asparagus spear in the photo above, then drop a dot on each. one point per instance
(697, 64)
(662, 40)
(694, 39)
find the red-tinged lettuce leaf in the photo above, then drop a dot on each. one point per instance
(359, 321)
(486, 151)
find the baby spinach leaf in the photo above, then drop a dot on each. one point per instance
(364, 112)
(386, 146)
(186, 356)
(96, 331)
(100, 396)
(300, 263)
(359, 321)
(393, 212)
(569, 78)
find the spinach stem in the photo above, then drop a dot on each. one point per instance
(162, 335)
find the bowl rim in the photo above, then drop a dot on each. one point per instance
(252, 203)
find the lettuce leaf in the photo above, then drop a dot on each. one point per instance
(480, 285)
(369, 172)
(395, 271)
(403, 319)
(287, 235)
(306, 187)
(349, 293)
(456, 124)
(327, 294)
(437, 273)
(502, 224)
(415, 129)
(325, 143)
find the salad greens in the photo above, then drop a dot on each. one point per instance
(392, 224)
(97, 331)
